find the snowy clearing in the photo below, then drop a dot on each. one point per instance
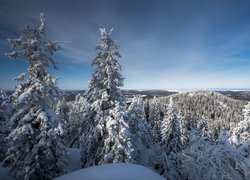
(113, 172)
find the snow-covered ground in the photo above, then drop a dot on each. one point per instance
(121, 171)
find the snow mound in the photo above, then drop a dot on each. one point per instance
(114, 171)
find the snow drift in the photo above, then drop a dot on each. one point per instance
(114, 171)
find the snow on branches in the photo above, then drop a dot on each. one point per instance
(36, 150)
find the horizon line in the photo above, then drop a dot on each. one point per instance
(163, 89)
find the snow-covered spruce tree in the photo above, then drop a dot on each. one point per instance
(107, 80)
(241, 132)
(155, 120)
(163, 164)
(170, 130)
(107, 137)
(171, 141)
(184, 131)
(137, 120)
(140, 131)
(4, 119)
(36, 150)
(78, 120)
(203, 129)
(204, 160)
(62, 109)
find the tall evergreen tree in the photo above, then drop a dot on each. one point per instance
(155, 120)
(78, 120)
(4, 119)
(106, 139)
(241, 132)
(62, 109)
(203, 129)
(205, 160)
(35, 147)
(183, 130)
(137, 120)
(106, 80)
(171, 134)
(140, 131)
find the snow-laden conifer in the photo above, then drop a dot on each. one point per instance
(139, 129)
(203, 129)
(170, 130)
(36, 150)
(205, 160)
(241, 132)
(183, 131)
(137, 121)
(78, 120)
(62, 109)
(106, 79)
(107, 137)
(4, 120)
(155, 120)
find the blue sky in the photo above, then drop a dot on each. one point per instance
(164, 44)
